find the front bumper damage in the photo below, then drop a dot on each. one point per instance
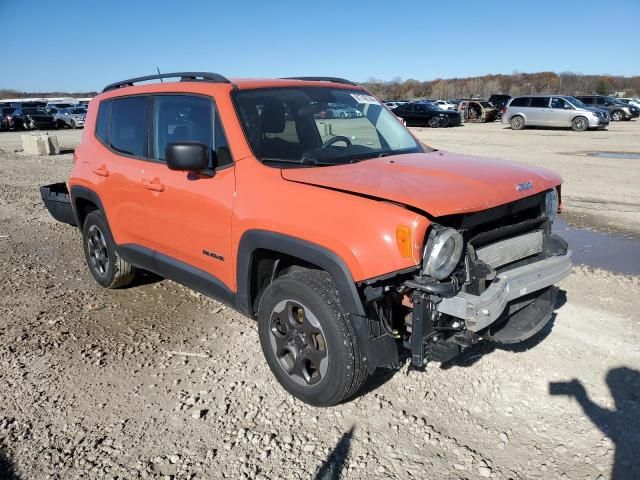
(480, 311)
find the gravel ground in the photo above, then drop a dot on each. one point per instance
(156, 381)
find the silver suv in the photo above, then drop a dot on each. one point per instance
(553, 111)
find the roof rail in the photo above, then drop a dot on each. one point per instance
(322, 79)
(184, 77)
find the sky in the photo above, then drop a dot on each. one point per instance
(82, 45)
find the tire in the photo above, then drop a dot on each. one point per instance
(434, 122)
(579, 124)
(73, 124)
(617, 115)
(106, 266)
(516, 122)
(300, 316)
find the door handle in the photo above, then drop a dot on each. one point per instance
(102, 171)
(154, 185)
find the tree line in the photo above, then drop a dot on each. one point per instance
(517, 83)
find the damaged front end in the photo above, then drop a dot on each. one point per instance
(485, 276)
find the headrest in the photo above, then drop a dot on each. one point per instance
(273, 118)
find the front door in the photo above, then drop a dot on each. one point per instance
(189, 214)
(562, 112)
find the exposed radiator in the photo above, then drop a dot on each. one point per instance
(512, 249)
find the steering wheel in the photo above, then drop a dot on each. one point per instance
(339, 138)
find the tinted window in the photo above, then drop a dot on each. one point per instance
(186, 118)
(520, 102)
(128, 133)
(559, 103)
(539, 102)
(102, 122)
(419, 108)
(587, 100)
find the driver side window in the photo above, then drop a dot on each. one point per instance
(559, 103)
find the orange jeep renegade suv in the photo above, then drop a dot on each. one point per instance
(349, 241)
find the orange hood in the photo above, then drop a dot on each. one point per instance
(439, 183)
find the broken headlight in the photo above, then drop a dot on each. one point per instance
(442, 253)
(551, 204)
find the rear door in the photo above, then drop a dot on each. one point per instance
(115, 167)
(189, 214)
(539, 111)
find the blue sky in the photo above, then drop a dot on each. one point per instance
(77, 45)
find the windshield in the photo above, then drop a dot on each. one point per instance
(575, 102)
(303, 126)
(34, 111)
(78, 111)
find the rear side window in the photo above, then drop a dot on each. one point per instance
(102, 121)
(128, 133)
(520, 102)
(540, 102)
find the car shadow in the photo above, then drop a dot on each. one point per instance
(621, 424)
(332, 467)
(7, 470)
(474, 353)
(144, 277)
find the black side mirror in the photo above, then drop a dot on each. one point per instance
(187, 156)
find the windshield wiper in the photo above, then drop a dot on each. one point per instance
(303, 161)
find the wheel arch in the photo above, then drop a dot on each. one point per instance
(256, 245)
(84, 201)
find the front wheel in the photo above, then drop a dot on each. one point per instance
(434, 122)
(617, 115)
(308, 342)
(580, 124)
(516, 122)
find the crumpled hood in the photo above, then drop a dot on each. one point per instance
(439, 183)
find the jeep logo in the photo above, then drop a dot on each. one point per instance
(523, 187)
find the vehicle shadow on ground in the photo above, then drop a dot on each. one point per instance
(622, 424)
(332, 467)
(145, 278)
(7, 471)
(474, 353)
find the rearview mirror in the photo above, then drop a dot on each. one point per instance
(187, 156)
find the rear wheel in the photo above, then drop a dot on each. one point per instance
(308, 341)
(106, 266)
(580, 124)
(617, 115)
(516, 122)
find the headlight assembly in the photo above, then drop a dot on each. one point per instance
(442, 253)
(551, 204)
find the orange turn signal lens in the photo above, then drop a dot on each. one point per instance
(403, 239)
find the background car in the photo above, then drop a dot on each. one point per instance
(553, 111)
(499, 101)
(30, 118)
(477, 111)
(427, 113)
(445, 105)
(617, 109)
(71, 117)
(6, 118)
(631, 101)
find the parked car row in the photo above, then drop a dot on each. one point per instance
(50, 116)
(426, 113)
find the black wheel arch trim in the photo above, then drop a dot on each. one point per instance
(79, 192)
(254, 240)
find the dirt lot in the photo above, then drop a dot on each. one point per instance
(98, 384)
